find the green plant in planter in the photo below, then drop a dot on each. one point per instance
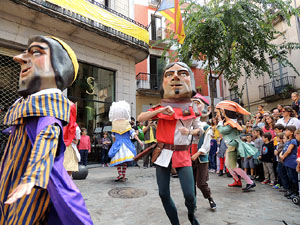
(287, 91)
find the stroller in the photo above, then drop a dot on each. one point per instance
(296, 199)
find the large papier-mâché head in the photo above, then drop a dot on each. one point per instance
(48, 62)
(178, 81)
(202, 105)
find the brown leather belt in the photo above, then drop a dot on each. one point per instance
(176, 147)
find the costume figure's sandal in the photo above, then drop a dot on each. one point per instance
(249, 186)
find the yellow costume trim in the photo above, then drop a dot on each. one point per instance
(121, 126)
(115, 131)
(121, 159)
(56, 105)
(71, 54)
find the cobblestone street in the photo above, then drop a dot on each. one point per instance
(263, 206)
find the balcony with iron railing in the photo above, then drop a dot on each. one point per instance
(148, 84)
(278, 88)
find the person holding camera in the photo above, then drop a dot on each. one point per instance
(259, 120)
(150, 139)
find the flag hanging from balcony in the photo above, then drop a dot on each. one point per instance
(170, 9)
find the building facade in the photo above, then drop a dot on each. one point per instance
(106, 39)
(270, 91)
(149, 71)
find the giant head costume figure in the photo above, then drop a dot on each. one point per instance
(48, 62)
(119, 115)
(177, 81)
(229, 110)
(203, 106)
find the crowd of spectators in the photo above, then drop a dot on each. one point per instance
(276, 135)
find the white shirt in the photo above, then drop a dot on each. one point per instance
(292, 121)
(205, 147)
(165, 156)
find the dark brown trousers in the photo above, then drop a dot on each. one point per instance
(201, 177)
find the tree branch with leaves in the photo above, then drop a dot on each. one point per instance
(235, 38)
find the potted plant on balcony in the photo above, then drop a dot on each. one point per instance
(287, 91)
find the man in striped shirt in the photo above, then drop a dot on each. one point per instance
(35, 188)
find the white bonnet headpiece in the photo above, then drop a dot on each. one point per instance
(119, 110)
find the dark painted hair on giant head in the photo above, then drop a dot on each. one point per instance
(230, 114)
(182, 64)
(60, 60)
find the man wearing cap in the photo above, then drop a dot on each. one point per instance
(35, 187)
(200, 150)
(176, 115)
(227, 112)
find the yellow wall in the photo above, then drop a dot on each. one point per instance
(145, 100)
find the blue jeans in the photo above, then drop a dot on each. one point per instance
(104, 156)
(283, 176)
(186, 179)
(212, 161)
(278, 168)
(84, 157)
(293, 178)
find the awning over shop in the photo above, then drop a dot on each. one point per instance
(100, 15)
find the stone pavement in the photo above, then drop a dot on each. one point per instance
(264, 206)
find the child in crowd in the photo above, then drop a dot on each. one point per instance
(267, 158)
(289, 156)
(280, 108)
(84, 146)
(278, 128)
(212, 155)
(105, 141)
(222, 147)
(248, 129)
(277, 151)
(258, 143)
(259, 120)
(249, 162)
(297, 135)
(260, 109)
(298, 163)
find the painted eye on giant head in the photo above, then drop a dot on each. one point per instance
(183, 73)
(36, 52)
(168, 74)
